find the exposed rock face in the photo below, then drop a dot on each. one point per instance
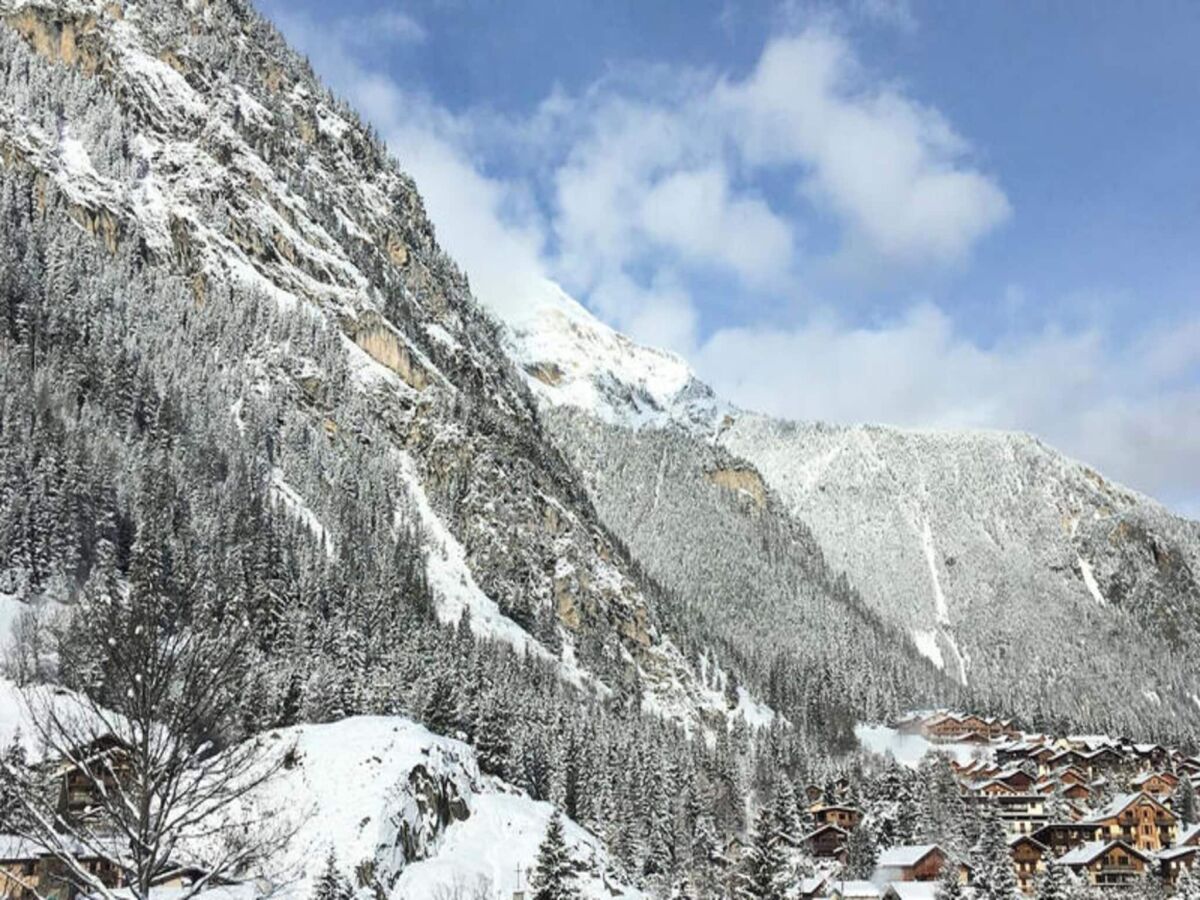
(744, 481)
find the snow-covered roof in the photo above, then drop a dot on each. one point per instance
(1173, 852)
(1087, 852)
(854, 889)
(912, 890)
(1122, 802)
(1189, 833)
(895, 857)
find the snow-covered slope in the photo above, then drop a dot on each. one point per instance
(1004, 562)
(408, 813)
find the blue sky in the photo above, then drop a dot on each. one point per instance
(928, 214)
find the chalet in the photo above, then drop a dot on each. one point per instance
(1072, 775)
(1080, 793)
(923, 862)
(1191, 766)
(1107, 863)
(1028, 856)
(1014, 752)
(1157, 784)
(1063, 836)
(991, 788)
(1189, 835)
(1021, 813)
(102, 761)
(827, 842)
(29, 870)
(1104, 759)
(1017, 779)
(1174, 861)
(1139, 820)
(813, 794)
(1152, 756)
(947, 727)
(846, 817)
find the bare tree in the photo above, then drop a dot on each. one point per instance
(143, 780)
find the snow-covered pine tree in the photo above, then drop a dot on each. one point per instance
(765, 866)
(861, 851)
(1055, 882)
(554, 878)
(949, 886)
(995, 877)
(331, 884)
(1188, 885)
(1183, 801)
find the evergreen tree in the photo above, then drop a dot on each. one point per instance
(861, 852)
(1188, 885)
(1183, 801)
(1055, 883)
(995, 877)
(765, 870)
(554, 878)
(949, 886)
(331, 884)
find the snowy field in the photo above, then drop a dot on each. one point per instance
(910, 749)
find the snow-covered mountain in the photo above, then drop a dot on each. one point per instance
(1025, 576)
(247, 176)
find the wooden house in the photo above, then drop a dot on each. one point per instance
(827, 842)
(1156, 784)
(1139, 820)
(1029, 860)
(1017, 779)
(29, 871)
(1021, 813)
(1153, 757)
(1060, 837)
(922, 862)
(1174, 861)
(1107, 863)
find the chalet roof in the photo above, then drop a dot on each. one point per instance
(1090, 851)
(1027, 839)
(1069, 826)
(837, 806)
(1122, 802)
(1189, 833)
(1176, 852)
(898, 857)
(14, 847)
(1146, 776)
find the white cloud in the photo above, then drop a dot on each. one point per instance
(1130, 412)
(892, 169)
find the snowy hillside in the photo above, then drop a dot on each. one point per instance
(975, 545)
(412, 809)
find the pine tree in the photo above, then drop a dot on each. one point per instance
(765, 872)
(1055, 883)
(1188, 885)
(1183, 801)
(554, 879)
(861, 852)
(331, 884)
(949, 886)
(995, 877)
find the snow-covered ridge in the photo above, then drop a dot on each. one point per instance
(571, 358)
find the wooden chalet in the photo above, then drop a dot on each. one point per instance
(1174, 861)
(1029, 860)
(1139, 820)
(1061, 837)
(846, 817)
(29, 871)
(1154, 757)
(1107, 863)
(101, 761)
(1157, 784)
(827, 842)
(922, 862)
(1017, 779)
(1190, 766)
